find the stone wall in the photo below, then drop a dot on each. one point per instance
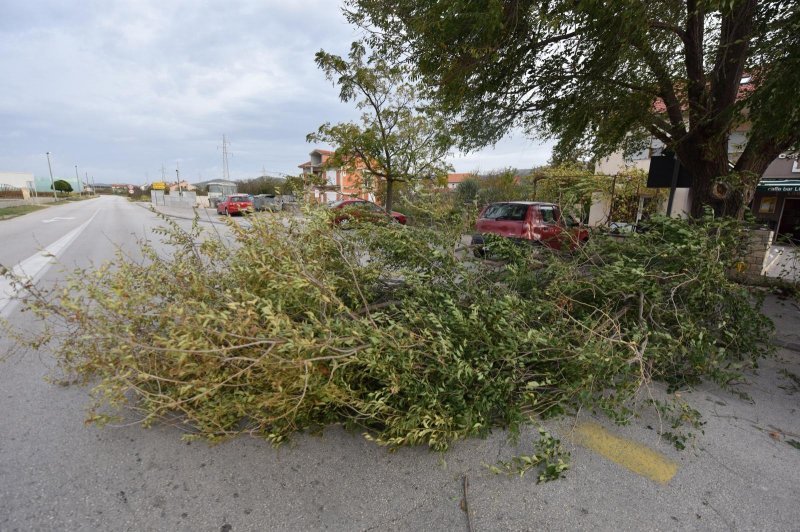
(758, 242)
(30, 201)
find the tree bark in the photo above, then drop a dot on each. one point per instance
(747, 172)
(708, 164)
(389, 189)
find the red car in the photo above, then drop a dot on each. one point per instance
(535, 222)
(364, 211)
(236, 204)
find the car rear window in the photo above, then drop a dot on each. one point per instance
(240, 198)
(549, 213)
(506, 211)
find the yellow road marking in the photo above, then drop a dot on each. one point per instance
(631, 455)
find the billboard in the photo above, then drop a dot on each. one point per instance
(660, 174)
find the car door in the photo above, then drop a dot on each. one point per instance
(548, 225)
(504, 219)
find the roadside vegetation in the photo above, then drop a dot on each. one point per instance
(18, 210)
(399, 332)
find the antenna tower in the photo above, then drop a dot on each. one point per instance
(226, 174)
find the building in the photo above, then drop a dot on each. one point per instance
(38, 184)
(183, 185)
(453, 179)
(776, 202)
(16, 184)
(329, 184)
(617, 163)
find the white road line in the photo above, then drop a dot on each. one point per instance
(31, 269)
(57, 218)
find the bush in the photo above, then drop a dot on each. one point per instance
(390, 329)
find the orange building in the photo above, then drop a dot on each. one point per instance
(331, 183)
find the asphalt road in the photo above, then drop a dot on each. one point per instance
(58, 474)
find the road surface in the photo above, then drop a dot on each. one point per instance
(58, 474)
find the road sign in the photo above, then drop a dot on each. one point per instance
(159, 185)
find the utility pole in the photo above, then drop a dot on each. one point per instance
(178, 175)
(52, 181)
(78, 179)
(674, 184)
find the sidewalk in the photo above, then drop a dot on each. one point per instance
(207, 215)
(785, 314)
(783, 262)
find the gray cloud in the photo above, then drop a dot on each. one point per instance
(119, 88)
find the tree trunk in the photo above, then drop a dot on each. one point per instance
(702, 195)
(708, 164)
(389, 189)
(743, 179)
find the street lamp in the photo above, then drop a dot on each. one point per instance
(52, 181)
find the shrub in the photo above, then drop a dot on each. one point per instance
(393, 330)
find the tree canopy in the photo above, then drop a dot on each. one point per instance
(394, 141)
(61, 185)
(601, 78)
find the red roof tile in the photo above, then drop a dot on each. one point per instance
(457, 178)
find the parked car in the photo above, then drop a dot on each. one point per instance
(267, 202)
(235, 204)
(364, 211)
(534, 222)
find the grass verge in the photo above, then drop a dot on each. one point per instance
(18, 210)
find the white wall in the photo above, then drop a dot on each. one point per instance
(616, 163)
(598, 212)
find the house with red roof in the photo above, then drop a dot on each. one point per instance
(617, 162)
(329, 183)
(454, 179)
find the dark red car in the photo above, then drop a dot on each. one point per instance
(235, 204)
(535, 222)
(364, 211)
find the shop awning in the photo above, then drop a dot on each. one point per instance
(779, 185)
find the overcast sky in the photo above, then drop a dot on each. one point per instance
(121, 87)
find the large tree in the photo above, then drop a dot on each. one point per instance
(602, 76)
(395, 141)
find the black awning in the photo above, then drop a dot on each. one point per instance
(778, 185)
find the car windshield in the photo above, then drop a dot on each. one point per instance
(506, 211)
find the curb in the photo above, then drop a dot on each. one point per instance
(147, 206)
